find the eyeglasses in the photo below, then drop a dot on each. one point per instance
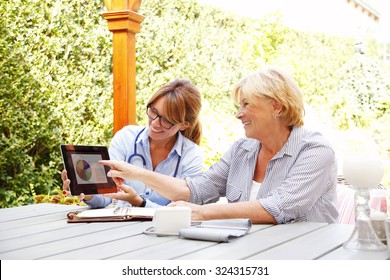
(153, 114)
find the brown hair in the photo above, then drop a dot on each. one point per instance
(182, 104)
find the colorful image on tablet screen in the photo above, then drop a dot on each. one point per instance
(83, 170)
(88, 170)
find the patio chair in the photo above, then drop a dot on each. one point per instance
(346, 201)
(345, 204)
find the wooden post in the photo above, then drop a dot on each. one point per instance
(124, 22)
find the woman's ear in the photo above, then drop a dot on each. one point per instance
(277, 106)
(185, 125)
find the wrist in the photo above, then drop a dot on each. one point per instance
(140, 201)
(87, 197)
(202, 212)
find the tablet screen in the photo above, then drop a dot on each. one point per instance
(85, 173)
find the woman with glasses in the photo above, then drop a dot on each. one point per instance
(168, 145)
(281, 172)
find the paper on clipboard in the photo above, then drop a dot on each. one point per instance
(112, 214)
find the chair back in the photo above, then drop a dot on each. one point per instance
(345, 204)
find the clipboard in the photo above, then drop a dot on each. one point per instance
(118, 214)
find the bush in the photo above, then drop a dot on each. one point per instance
(58, 196)
(363, 95)
(55, 88)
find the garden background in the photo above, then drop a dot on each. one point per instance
(56, 81)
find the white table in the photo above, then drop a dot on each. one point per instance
(41, 232)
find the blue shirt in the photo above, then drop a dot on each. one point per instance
(299, 184)
(185, 155)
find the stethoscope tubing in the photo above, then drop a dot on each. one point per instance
(135, 154)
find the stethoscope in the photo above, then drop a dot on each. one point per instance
(135, 154)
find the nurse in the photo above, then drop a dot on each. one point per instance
(168, 145)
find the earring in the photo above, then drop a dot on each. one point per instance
(274, 115)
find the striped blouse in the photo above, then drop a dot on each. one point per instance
(299, 184)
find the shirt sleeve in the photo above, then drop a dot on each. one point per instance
(119, 142)
(151, 204)
(209, 186)
(305, 183)
(192, 163)
(98, 201)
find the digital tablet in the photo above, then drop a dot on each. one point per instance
(85, 173)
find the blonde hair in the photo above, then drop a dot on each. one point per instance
(273, 83)
(182, 103)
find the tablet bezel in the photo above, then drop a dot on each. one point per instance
(94, 188)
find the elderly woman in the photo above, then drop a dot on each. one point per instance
(281, 173)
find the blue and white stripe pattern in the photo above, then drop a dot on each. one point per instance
(299, 185)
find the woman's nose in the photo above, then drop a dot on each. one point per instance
(239, 114)
(157, 122)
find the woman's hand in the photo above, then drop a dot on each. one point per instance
(196, 210)
(65, 182)
(121, 169)
(125, 193)
(66, 187)
(172, 188)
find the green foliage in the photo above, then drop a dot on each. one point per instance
(266, 39)
(203, 44)
(363, 95)
(55, 88)
(58, 196)
(314, 60)
(185, 39)
(363, 101)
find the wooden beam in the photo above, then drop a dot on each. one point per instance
(124, 22)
